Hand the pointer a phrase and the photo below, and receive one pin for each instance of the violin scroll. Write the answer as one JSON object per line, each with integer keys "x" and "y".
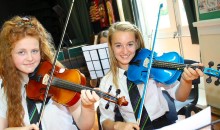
{"x": 213, "y": 73}
{"x": 121, "y": 101}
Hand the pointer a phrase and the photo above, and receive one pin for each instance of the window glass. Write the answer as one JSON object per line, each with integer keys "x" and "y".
{"x": 184, "y": 21}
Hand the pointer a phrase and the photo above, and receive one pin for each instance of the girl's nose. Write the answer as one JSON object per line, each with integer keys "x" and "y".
{"x": 29, "y": 56}
{"x": 124, "y": 49}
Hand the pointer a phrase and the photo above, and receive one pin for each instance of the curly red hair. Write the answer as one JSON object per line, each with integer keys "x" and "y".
{"x": 13, "y": 30}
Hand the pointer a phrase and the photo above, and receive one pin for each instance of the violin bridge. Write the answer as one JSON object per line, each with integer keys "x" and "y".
{"x": 145, "y": 63}
{"x": 45, "y": 79}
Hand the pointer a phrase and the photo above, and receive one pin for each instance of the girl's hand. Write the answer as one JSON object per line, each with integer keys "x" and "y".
{"x": 190, "y": 74}
{"x": 32, "y": 127}
{"x": 126, "y": 126}
{"x": 29, "y": 127}
{"x": 88, "y": 98}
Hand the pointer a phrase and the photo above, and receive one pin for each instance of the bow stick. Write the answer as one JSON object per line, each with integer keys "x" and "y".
{"x": 148, "y": 71}
{"x": 53, "y": 66}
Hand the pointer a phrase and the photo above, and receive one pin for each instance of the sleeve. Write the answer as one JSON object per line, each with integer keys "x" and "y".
{"x": 3, "y": 104}
{"x": 171, "y": 89}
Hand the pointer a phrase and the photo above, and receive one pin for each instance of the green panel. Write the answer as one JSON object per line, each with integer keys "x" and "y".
{"x": 73, "y": 52}
{"x": 211, "y": 15}
{"x": 60, "y": 56}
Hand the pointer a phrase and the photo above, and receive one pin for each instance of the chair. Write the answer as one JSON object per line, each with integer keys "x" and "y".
{"x": 185, "y": 108}
{"x": 172, "y": 114}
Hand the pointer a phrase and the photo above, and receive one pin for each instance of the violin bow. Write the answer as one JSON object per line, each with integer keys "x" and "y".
{"x": 53, "y": 65}
{"x": 149, "y": 68}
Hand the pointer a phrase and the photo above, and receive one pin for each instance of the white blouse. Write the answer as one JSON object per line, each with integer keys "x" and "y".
{"x": 55, "y": 116}
{"x": 155, "y": 103}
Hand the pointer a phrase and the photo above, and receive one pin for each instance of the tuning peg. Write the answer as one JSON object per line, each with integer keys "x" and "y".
{"x": 218, "y": 67}
{"x": 211, "y": 63}
{"x": 118, "y": 91}
{"x": 109, "y": 89}
{"x": 107, "y": 105}
{"x": 217, "y": 82}
{"x": 209, "y": 80}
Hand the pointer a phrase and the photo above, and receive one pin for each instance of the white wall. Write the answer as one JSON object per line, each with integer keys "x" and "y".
{"x": 209, "y": 37}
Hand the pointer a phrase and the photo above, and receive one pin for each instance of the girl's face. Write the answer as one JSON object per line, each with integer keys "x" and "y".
{"x": 124, "y": 46}
{"x": 103, "y": 40}
{"x": 26, "y": 54}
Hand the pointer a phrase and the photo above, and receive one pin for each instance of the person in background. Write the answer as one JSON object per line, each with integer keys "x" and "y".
{"x": 24, "y": 45}
{"x": 124, "y": 42}
{"x": 101, "y": 38}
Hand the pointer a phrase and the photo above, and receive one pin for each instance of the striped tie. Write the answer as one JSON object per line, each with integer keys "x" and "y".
{"x": 145, "y": 123}
{"x": 32, "y": 111}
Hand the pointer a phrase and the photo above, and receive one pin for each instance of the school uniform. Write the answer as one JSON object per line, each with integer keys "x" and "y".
{"x": 55, "y": 116}
{"x": 155, "y": 103}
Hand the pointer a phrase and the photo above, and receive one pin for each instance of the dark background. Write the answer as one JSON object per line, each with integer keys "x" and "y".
{"x": 41, "y": 9}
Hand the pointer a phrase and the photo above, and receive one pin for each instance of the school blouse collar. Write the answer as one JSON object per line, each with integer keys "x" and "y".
{"x": 121, "y": 73}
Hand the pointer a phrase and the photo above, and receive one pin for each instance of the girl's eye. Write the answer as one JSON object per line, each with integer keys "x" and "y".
{"x": 131, "y": 44}
{"x": 21, "y": 52}
{"x": 118, "y": 45}
{"x": 35, "y": 51}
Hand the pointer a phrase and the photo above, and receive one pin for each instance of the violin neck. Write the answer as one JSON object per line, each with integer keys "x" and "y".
{"x": 173, "y": 66}
{"x": 59, "y": 83}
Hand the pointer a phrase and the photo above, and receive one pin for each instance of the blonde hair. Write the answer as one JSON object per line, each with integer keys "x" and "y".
{"x": 13, "y": 30}
{"x": 125, "y": 27}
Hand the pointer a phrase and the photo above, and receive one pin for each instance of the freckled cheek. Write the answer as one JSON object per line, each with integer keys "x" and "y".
{"x": 116, "y": 51}
{"x": 132, "y": 53}
{"x": 38, "y": 57}
{"x": 132, "y": 50}
{"x": 18, "y": 62}
{"x": 17, "y": 59}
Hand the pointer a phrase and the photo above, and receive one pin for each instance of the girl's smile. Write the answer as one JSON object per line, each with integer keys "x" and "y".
{"x": 124, "y": 47}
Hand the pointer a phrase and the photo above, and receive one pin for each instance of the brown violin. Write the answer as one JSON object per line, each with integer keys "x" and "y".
{"x": 65, "y": 88}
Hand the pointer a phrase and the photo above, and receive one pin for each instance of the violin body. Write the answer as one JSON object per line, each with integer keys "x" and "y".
{"x": 36, "y": 90}
{"x": 137, "y": 71}
{"x": 165, "y": 69}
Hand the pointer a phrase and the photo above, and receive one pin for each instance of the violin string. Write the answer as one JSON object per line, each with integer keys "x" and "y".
{"x": 168, "y": 65}
{"x": 76, "y": 87}
{"x": 173, "y": 65}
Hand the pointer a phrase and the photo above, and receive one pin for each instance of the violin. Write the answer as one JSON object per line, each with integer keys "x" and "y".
{"x": 65, "y": 88}
{"x": 166, "y": 68}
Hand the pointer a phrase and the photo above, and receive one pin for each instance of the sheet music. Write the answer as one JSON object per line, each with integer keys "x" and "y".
{"x": 97, "y": 59}
{"x": 196, "y": 121}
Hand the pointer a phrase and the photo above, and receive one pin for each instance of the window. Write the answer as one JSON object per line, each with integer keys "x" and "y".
{"x": 172, "y": 17}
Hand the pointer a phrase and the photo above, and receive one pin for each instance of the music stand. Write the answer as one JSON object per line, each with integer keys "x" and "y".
{"x": 97, "y": 59}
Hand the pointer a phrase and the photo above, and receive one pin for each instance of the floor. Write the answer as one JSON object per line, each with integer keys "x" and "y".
{"x": 202, "y": 104}
{"x": 217, "y": 125}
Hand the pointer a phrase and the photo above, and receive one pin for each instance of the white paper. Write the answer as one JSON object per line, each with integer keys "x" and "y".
{"x": 97, "y": 59}
{"x": 196, "y": 121}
